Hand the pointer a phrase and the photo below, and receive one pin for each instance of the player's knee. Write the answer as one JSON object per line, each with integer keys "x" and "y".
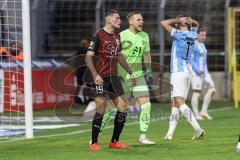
{"x": 212, "y": 90}
{"x": 97, "y": 119}
{"x": 143, "y": 100}
{"x": 122, "y": 106}
{"x": 179, "y": 101}
{"x": 100, "y": 105}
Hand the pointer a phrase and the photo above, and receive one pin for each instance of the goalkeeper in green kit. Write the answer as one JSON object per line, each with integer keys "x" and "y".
{"x": 136, "y": 50}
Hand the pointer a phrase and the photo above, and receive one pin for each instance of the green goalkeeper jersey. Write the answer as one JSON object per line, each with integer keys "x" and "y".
{"x": 134, "y": 46}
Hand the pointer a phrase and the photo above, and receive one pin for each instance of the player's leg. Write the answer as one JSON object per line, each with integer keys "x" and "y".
{"x": 121, "y": 114}
{"x": 119, "y": 122}
{"x": 110, "y": 111}
{"x": 141, "y": 93}
{"x": 196, "y": 83}
{"x": 180, "y": 92}
{"x": 175, "y": 110}
{"x": 208, "y": 97}
{"x": 108, "y": 114}
{"x": 144, "y": 119}
{"x": 99, "y": 92}
{"x": 188, "y": 114}
{"x": 97, "y": 121}
{"x": 173, "y": 121}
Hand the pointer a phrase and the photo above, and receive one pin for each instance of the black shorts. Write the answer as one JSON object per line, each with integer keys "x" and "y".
{"x": 112, "y": 88}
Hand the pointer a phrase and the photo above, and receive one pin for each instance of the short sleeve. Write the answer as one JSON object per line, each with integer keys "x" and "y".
{"x": 94, "y": 43}
{"x": 175, "y": 33}
{"x": 147, "y": 45}
{"x": 194, "y": 31}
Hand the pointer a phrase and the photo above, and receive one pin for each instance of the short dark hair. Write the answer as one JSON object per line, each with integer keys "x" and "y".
{"x": 110, "y": 12}
{"x": 132, "y": 13}
{"x": 201, "y": 30}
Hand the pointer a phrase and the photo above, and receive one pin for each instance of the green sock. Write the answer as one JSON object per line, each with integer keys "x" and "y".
{"x": 145, "y": 117}
{"x": 107, "y": 118}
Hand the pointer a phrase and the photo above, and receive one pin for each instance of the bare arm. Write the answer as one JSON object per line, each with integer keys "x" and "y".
{"x": 122, "y": 61}
{"x": 168, "y": 24}
{"x": 147, "y": 60}
{"x": 193, "y": 22}
{"x": 89, "y": 61}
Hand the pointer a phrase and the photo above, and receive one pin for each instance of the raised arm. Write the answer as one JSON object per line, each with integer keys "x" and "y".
{"x": 168, "y": 24}
{"x": 192, "y": 22}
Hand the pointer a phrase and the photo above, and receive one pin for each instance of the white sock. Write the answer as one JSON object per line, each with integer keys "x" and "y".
{"x": 173, "y": 121}
{"x": 194, "y": 102}
{"x": 142, "y": 136}
{"x": 206, "y": 100}
{"x": 187, "y": 113}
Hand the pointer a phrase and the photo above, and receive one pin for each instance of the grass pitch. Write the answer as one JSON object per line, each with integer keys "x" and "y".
{"x": 72, "y": 143}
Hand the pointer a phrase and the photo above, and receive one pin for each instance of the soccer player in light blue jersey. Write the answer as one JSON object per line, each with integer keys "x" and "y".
{"x": 184, "y": 32}
{"x": 201, "y": 78}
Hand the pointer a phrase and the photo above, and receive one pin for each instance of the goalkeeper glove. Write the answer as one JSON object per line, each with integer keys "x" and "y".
{"x": 148, "y": 76}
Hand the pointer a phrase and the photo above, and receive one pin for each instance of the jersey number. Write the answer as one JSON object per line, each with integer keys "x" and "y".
{"x": 137, "y": 51}
{"x": 99, "y": 89}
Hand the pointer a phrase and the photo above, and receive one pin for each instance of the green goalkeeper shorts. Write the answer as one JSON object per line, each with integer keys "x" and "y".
{"x": 139, "y": 90}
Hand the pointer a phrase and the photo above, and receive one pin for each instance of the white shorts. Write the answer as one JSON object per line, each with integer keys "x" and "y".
{"x": 199, "y": 82}
{"x": 208, "y": 82}
{"x": 180, "y": 82}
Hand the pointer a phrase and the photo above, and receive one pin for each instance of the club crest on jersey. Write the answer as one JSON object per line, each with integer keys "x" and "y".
{"x": 126, "y": 44}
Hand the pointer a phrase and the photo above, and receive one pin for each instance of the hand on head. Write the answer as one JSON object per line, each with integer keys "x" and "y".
{"x": 189, "y": 21}
{"x": 183, "y": 20}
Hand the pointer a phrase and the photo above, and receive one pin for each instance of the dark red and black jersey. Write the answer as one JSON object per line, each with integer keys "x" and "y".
{"x": 106, "y": 47}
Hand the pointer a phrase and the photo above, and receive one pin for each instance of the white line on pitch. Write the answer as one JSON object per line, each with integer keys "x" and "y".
{"x": 87, "y": 130}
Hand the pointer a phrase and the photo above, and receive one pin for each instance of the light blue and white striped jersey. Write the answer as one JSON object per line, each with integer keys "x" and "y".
{"x": 182, "y": 50}
{"x": 199, "y": 58}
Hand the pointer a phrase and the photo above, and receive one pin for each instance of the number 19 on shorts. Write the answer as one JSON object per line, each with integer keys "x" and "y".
{"x": 99, "y": 89}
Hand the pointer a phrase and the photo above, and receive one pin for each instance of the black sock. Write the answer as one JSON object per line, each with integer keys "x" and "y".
{"x": 96, "y": 125}
{"x": 119, "y": 122}
{"x": 239, "y": 139}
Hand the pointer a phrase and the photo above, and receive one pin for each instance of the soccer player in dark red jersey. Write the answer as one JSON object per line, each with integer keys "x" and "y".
{"x": 105, "y": 45}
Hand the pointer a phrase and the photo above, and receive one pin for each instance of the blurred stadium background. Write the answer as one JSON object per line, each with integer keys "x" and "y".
{"x": 57, "y": 26}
